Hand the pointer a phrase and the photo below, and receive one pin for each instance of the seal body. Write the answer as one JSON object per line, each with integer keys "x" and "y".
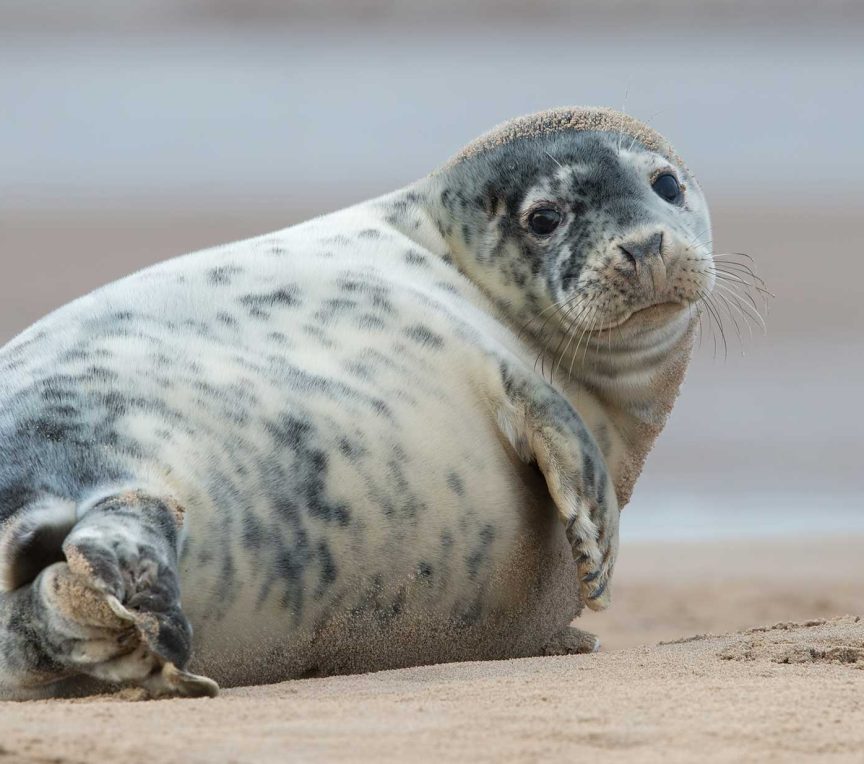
{"x": 329, "y": 448}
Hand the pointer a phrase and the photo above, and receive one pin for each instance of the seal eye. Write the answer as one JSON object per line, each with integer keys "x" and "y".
{"x": 666, "y": 187}
{"x": 544, "y": 221}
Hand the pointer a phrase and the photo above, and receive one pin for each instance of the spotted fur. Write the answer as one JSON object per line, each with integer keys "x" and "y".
{"x": 331, "y": 448}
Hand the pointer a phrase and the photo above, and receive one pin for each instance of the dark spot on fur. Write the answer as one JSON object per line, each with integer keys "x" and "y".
{"x": 284, "y": 297}
{"x": 369, "y": 321}
{"x": 328, "y": 568}
{"x": 423, "y": 335}
{"x": 351, "y": 451}
{"x": 253, "y": 532}
{"x": 481, "y": 552}
{"x": 226, "y": 318}
{"x": 413, "y": 257}
{"x": 221, "y": 275}
{"x": 454, "y": 482}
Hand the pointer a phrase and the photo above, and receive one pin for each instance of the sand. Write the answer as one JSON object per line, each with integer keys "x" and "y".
{"x": 787, "y": 692}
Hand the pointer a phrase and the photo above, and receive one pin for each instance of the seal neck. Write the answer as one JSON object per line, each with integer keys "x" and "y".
{"x": 626, "y": 394}
{"x": 623, "y": 392}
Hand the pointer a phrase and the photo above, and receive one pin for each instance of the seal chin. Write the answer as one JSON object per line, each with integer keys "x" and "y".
{"x": 649, "y": 317}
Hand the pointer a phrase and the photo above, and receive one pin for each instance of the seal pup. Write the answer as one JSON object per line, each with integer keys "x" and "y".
{"x": 392, "y": 435}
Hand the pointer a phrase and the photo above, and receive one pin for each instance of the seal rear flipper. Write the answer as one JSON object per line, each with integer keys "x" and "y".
{"x": 60, "y": 637}
{"x": 125, "y": 547}
{"x": 32, "y": 539}
{"x": 92, "y": 591}
{"x": 163, "y": 638}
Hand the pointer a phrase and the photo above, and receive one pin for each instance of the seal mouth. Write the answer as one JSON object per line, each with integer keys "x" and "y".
{"x": 649, "y": 316}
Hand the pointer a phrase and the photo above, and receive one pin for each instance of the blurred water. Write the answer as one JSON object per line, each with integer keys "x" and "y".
{"x": 699, "y": 514}
{"x": 768, "y": 445}
{"x": 291, "y": 116}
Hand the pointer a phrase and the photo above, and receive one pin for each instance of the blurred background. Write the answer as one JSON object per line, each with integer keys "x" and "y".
{"x": 131, "y": 132}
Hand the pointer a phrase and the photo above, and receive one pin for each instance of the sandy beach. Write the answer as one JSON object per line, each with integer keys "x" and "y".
{"x": 782, "y": 681}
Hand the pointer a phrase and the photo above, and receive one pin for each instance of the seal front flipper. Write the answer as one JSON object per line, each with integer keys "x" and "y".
{"x": 126, "y": 548}
{"x": 572, "y": 641}
{"x": 543, "y": 427}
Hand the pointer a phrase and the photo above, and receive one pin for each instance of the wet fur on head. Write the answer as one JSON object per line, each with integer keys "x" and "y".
{"x": 568, "y": 119}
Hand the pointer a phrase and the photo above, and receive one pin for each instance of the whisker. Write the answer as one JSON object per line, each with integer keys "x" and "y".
{"x": 699, "y": 243}
{"x": 541, "y": 335}
{"x": 576, "y": 349}
{"x": 738, "y": 279}
{"x": 710, "y": 299}
{"x": 585, "y": 305}
{"x": 553, "y": 159}
{"x": 728, "y": 306}
{"x": 690, "y": 308}
{"x": 756, "y": 316}
{"x": 758, "y": 282}
{"x": 735, "y": 270}
{"x": 609, "y": 337}
{"x": 734, "y": 277}
{"x": 568, "y": 317}
{"x": 711, "y": 324}
{"x": 735, "y": 303}
{"x": 721, "y": 259}
{"x": 731, "y": 284}
{"x": 588, "y": 336}
{"x": 586, "y": 331}
{"x": 699, "y": 236}
{"x": 737, "y": 254}
{"x": 711, "y": 308}
{"x": 553, "y": 306}
{"x": 621, "y": 125}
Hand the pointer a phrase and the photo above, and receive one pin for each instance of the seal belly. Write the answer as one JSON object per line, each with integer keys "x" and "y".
{"x": 369, "y": 549}
{"x": 430, "y": 595}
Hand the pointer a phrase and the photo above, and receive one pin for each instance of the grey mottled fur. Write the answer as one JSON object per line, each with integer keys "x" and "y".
{"x": 317, "y": 450}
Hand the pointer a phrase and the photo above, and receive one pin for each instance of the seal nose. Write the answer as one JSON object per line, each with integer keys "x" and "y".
{"x": 639, "y": 250}
{"x": 646, "y": 256}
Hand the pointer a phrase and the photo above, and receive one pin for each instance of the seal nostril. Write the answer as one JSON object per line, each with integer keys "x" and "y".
{"x": 640, "y": 250}
{"x": 630, "y": 256}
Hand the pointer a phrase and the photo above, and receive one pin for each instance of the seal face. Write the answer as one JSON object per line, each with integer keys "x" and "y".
{"x": 622, "y": 228}
{"x": 392, "y": 435}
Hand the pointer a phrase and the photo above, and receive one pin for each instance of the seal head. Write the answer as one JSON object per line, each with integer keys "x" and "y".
{"x": 584, "y": 216}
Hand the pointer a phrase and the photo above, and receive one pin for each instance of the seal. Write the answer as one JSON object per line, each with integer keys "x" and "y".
{"x": 396, "y": 434}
